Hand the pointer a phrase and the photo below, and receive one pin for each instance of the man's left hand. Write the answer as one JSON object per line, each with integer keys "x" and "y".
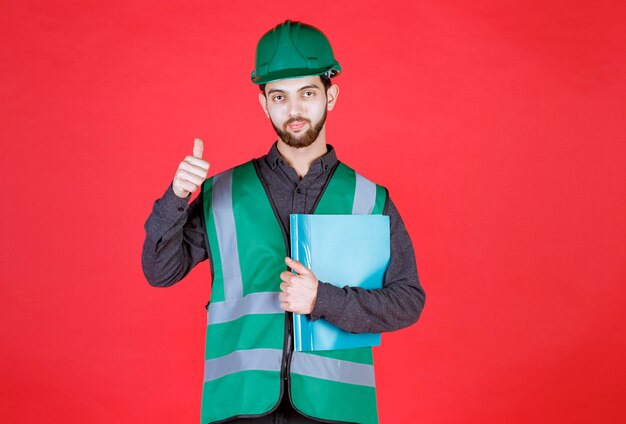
{"x": 298, "y": 291}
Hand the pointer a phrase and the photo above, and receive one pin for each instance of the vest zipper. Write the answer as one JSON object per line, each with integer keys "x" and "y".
{"x": 287, "y": 347}
{"x": 288, "y": 315}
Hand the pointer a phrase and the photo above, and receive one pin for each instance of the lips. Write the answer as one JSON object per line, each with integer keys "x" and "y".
{"x": 296, "y": 124}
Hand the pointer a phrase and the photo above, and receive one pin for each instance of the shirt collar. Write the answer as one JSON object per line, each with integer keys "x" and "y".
{"x": 327, "y": 161}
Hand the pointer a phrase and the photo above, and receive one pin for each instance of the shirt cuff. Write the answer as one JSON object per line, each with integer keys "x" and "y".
{"x": 329, "y": 300}
{"x": 170, "y": 205}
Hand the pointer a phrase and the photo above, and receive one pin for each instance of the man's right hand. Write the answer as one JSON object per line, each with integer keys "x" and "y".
{"x": 191, "y": 172}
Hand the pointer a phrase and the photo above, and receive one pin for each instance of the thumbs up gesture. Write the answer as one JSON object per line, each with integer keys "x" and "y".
{"x": 191, "y": 172}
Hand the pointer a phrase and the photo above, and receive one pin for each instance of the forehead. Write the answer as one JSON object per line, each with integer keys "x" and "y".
{"x": 294, "y": 84}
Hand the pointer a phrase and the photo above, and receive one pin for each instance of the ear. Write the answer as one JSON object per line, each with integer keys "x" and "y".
{"x": 331, "y": 96}
{"x": 263, "y": 101}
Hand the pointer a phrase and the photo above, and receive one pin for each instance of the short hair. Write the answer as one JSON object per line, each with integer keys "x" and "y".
{"x": 326, "y": 81}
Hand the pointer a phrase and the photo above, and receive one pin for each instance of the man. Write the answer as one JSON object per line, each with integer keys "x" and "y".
{"x": 240, "y": 222}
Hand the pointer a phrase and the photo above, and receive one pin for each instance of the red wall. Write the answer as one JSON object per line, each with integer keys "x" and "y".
{"x": 497, "y": 125}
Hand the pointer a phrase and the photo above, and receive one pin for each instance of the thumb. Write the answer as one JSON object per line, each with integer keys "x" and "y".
{"x": 297, "y": 266}
{"x": 198, "y": 148}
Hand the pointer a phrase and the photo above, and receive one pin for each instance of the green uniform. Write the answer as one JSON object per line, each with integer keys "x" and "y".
{"x": 248, "y": 339}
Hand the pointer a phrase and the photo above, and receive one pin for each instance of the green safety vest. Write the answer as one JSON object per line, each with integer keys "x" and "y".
{"x": 248, "y": 337}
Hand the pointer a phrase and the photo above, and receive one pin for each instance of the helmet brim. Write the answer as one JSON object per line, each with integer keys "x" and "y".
{"x": 294, "y": 73}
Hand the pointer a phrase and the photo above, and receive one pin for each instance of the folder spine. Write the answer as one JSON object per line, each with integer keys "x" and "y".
{"x": 301, "y": 252}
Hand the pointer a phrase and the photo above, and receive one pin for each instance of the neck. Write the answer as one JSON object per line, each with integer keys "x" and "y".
{"x": 301, "y": 158}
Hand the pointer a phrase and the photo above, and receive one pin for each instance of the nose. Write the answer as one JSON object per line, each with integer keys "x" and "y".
{"x": 295, "y": 108}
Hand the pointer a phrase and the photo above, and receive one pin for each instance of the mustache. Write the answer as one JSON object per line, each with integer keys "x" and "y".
{"x": 292, "y": 120}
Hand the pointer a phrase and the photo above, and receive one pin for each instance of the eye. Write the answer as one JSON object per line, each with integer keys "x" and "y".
{"x": 278, "y": 98}
{"x": 308, "y": 94}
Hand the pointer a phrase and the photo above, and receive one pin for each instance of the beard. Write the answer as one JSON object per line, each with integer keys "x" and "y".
{"x": 303, "y": 140}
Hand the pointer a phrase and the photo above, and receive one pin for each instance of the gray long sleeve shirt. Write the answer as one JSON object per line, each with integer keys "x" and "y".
{"x": 176, "y": 241}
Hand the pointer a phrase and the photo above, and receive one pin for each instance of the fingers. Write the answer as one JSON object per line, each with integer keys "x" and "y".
{"x": 199, "y": 170}
{"x": 191, "y": 172}
{"x": 200, "y": 163}
{"x": 183, "y": 188}
{"x": 295, "y": 297}
{"x": 289, "y": 277}
{"x": 285, "y": 303}
{"x": 284, "y": 297}
{"x": 187, "y": 179}
{"x": 297, "y": 266}
{"x": 190, "y": 177}
{"x": 198, "y": 148}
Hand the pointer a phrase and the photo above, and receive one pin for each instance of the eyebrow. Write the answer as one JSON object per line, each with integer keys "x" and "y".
{"x": 275, "y": 90}
{"x": 306, "y": 87}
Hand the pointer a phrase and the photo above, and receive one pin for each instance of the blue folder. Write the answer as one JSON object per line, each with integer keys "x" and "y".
{"x": 343, "y": 250}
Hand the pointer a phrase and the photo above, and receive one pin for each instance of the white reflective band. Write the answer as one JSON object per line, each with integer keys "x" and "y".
{"x": 364, "y": 196}
{"x": 243, "y": 360}
{"x": 254, "y": 303}
{"x": 332, "y": 369}
{"x": 222, "y": 203}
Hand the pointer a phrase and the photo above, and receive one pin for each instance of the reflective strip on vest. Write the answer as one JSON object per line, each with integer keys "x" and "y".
{"x": 254, "y": 303}
{"x": 332, "y": 369}
{"x": 243, "y": 360}
{"x": 364, "y": 196}
{"x": 222, "y": 200}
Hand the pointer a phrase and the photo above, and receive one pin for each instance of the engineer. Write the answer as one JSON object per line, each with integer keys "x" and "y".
{"x": 240, "y": 222}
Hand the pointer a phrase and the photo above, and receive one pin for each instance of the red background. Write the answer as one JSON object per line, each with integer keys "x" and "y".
{"x": 497, "y": 125}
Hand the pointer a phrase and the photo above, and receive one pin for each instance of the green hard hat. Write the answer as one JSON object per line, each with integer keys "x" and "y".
{"x": 291, "y": 50}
